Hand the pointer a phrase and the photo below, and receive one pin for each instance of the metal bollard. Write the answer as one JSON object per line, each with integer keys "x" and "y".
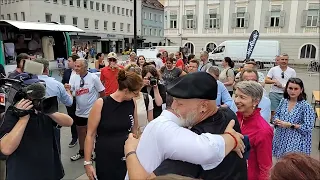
{"x": 2, "y": 170}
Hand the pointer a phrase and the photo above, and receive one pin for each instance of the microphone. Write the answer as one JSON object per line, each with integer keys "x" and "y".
{"x": 35, "y": 91}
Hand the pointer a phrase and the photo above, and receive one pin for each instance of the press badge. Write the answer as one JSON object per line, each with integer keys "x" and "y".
{"x": 2, "y": 99}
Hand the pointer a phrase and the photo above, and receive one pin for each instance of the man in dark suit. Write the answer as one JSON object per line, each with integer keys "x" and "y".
{"x": 68, "y": 73}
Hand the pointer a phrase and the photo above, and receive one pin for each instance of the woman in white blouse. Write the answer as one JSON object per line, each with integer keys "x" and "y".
{"x": 144, "y": 102}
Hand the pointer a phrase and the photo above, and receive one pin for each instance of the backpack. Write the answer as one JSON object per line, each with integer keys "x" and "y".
{"x": 146, "y": 100}
{"x": 235, "y": 72}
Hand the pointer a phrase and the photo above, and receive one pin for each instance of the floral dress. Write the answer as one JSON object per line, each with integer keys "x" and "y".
{"x": 288, "y": 140}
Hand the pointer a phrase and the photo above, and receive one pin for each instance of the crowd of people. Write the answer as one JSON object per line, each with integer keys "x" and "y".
{"x": 175, "y": 116}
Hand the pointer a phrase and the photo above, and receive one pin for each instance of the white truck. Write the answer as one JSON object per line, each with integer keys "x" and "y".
{"x": 263, "y": 53}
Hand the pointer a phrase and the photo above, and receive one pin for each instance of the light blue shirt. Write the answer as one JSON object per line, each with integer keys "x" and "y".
{"x": 265, "y": 106}
{"x": 56, "y": 88}
{"x": 224, "y": 96}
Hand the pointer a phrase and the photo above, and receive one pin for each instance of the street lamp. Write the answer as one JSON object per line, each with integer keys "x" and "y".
{"x": 135, "y": 46}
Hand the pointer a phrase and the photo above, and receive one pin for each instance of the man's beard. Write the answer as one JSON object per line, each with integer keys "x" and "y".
{"x": 189, "y": 120}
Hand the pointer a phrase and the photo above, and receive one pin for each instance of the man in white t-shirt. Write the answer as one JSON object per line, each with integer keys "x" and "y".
{"x": 278, "y": 77}
{"x": 158, "y": 61}
{"x": 88, "y": 88}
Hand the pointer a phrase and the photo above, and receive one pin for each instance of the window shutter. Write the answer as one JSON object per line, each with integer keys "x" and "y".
{"x": 207, "y": 21}
{"x": 234, "y": 20}
{"x": 282, "y": 19}
{"x": 218, "y": 21}
{"x": 267, "y": 19}
{"x": 194, "y": 22}
{"x": 304, "y": 18}
{"x": 246, "y": 19}
{"x": 165, "y": 23}
{"x": 318, "y": 23}
{"x": 184, "y": 21}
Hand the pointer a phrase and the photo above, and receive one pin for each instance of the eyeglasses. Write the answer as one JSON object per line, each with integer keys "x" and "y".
{"x": 81, "y": 82}
{"x": 112, "y": 60}
{"x": 282, "y": 75}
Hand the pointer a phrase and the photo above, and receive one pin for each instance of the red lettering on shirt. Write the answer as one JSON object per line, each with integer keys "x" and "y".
{"x": 82, "y": 91}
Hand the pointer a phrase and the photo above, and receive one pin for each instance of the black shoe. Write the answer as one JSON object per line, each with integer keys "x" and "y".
{"x": 77, "y": 157}
{"x": 73, "y": 143}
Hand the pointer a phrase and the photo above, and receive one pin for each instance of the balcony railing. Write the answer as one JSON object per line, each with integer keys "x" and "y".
{"x": 311, "y": 30}
{"x": 273, "y": 30}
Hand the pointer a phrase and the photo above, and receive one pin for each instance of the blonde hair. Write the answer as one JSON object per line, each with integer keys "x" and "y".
{"x": 133, "y": 68}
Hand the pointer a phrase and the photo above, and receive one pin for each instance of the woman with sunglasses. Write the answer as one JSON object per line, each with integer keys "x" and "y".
{"x": 293, "y": 120}
{"x": 111, "y": 120}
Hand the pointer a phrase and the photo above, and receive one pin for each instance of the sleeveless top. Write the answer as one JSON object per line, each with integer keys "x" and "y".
{"x": 115, "y": 124}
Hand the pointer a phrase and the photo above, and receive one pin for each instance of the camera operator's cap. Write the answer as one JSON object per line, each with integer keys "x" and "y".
{"x": 27, "y": 79}
{"x": 112, "y": 55}
{"x": 197, "y": 85}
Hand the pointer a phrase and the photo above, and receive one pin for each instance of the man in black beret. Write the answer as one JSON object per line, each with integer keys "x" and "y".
{"x": 194, "y": 102}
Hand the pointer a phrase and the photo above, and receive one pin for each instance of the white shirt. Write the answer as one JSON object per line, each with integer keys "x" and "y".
{"x": 159, "y": 63}
{"x": 164, "y": 139}
{"x": 142, "y": 111}
{"x": 86, "y": 95}
{"x": 275, "y": 73}
{"x": 34, "y": 45}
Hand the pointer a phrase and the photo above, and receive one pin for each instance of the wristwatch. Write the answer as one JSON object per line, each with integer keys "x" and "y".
{"x": 292, "y": 126}
{"x": 87, "y": 163}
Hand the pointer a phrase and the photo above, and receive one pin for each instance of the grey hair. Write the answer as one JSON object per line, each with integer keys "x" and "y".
{"x": 205, "y": 53}
{"x": 284, "y": 54}
{"x": 169, "y": 101}
{"x": 85, "y": 62}
{"x": 213, "y": 70}
{"x": 251, "y": 88}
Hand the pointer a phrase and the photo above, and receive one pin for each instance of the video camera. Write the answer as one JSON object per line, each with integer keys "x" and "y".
{"x": 26, "y": 86}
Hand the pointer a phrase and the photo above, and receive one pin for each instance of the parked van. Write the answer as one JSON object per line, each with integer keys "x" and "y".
{"x": 263, "y": 53}
{"x": 15, "y": 37}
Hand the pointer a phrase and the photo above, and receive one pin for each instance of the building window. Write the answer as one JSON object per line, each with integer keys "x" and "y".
{"x": 8, "y": 17}
{"x": 55, "y": 1}
{"x": 128, "y": 27}
{"x": 113, "y": 26}
{"x": 91, "y": 5}
{"x": 150, "y": 16}
{"x": 108, "y": 8}
{"x": 155, "y": 32}
{"x": 85, "y": 4}
{"x": 23, "y": 17}
{"x": 63, "y": 2}
{"x": 2, "y": 17}
{"x": 189, "y": 19}
{"x": 113, "y": 10}
{"x": 213, "y": 19}
{"x": 118, "y": 10}
{"x": 105, "y": 25}
{"x": 160, "y": 17}
{"x": 308, "y": 51}
{"x": 103, "y": 7}
{"x": 145, "y": 31}
{"x": 190, "y": 48}
{"x": 127, "y": 12}
{"x": 155, "y": 17}
{"x": 144, "y": 15}
{"x": 131, "y": 13}
{"x": 78, "y": 3}
{"x": 150, "y": 32}
{"x": 121, "y": 26}
{"x": 312, "y": 19}
{"x": 122, "y": 11}
{"x": 96, "y": 24}
{"x": 240, "y": 17}
{"x": 71, "y": 2}
{"x": 15, "y": 16}
{"x": 160, "y": 32}
{"x": 86, "y": 23}
{"x": 75, "y": 21}
{"x": 97, "y": 6}
{"x": 173, "y": 20}
{"x": 62, "y": 19}
{"x": 48, "y": 17}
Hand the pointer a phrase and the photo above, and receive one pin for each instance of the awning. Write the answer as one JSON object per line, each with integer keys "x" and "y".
{"x": 41, "y": 26}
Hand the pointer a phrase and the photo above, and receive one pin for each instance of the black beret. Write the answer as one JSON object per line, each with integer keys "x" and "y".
{"x": 197, "y": 85}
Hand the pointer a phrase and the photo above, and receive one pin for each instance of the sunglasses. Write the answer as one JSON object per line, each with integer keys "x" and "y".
{"x": 282, "y": 75}
{"x": 81, "y": 82}
{"x": 112, "y": 60}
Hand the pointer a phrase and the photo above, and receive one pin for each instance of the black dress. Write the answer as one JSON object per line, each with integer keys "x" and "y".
{"x": 112, "y": 132}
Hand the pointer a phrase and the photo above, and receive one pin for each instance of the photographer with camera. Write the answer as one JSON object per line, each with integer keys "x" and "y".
{"x": 152, "y": 86}
{"x": 27, "y": 133}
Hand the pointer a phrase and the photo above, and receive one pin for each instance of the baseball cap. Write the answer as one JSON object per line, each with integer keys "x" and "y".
{"x": 112, "y": 55}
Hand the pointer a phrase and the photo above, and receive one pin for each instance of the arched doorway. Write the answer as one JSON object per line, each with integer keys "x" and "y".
{"x": 190, "y": 48}
{"x": 210, "y": 47}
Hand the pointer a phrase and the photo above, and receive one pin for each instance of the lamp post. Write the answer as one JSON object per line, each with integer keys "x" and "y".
{"x": 135, "y": 26}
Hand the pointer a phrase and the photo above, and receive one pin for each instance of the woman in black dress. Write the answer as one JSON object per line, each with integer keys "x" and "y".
{"x": 110, "y": 121}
